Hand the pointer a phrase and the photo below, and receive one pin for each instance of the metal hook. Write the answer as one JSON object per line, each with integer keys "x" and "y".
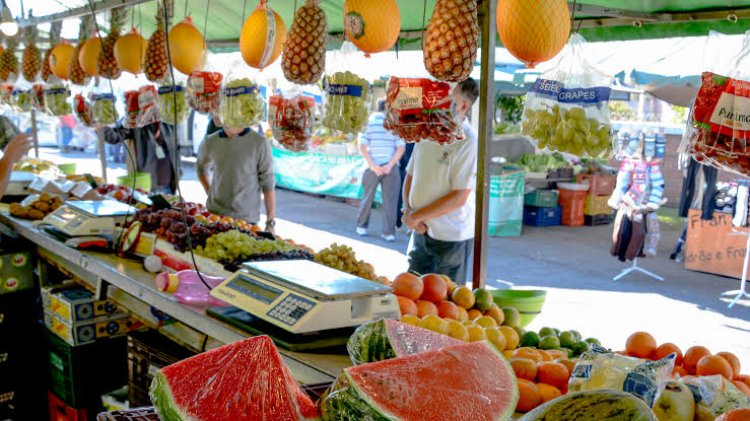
{"x": 732, "y": 18}
{"x": 637, "y": 23}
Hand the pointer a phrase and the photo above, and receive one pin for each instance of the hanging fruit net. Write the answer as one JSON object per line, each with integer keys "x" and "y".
{"x": 291, "y": 117}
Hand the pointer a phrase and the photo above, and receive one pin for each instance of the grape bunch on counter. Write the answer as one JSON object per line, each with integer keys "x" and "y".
{"x": 234, "y": 247}
{"x": 342, "y": 257}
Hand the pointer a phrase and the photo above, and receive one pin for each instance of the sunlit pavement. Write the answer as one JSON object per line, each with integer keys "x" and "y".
{"x": 572, "y": 264}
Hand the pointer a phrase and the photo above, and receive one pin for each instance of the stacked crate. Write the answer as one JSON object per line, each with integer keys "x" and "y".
{"x": 596, "y": 211}
{"x": 540, "y": 208}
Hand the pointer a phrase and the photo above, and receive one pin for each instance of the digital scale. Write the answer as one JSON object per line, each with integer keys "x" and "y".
{"x": 88, "y": 217}
{"x": 302, "y": 296}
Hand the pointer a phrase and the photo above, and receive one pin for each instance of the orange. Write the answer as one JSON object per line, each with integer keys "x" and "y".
{"x": 665, "y": 349}
{"x": 679, "y": 372}
{"x": 463, "y": 297}
{"x": 548, "y": 392}
{"x": 554, "y": 374}
{"x": 511, "y": 336}
{"x": 545, "y": 355}
{"x": 709, "y": 365}
{"x": 692, "y": 355}
{"x": 408, "y": 285}
{"x": 474, "y": 314}
{"x": 529, "y": 395}
{"x": 742, "y": 387}
{"x": 557, "y": 354}
{"x": 407, "y": 306}
{"x": 508, "y": 354}
{"x": 425, "y": 307}
{"x": 744, "y": 378}
{"x": 530, "y": 353}
{"x": 735, "y": 415}
{"x": 435, "y": 288}
{"x": 463, "y": 315}
{"x": 449, "y": 283}
{"x": 447, "y": 310}
{"x": 640, "y": 344}
{"x": 569, "y": 364}
{"x": 496, "y": 338}
{"x": 496, "y": 313}
{"x": 477, "y": 333}
{"x": 732, "y": 360}
{"x": 524, "y": 368}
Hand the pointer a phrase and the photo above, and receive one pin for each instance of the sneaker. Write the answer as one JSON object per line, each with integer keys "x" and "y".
{"x": 361, "y": 231}
{"x": 388, "y": 238}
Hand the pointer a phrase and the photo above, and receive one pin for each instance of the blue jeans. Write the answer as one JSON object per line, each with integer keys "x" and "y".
{"x": 67, "y": 135}
{"x": 451, "y": 258}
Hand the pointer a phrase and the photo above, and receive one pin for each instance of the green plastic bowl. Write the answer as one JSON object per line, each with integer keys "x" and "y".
{"x": 142, "y": 180}
{"x": 529, "y": 302}
{"x": 67, "y": 169}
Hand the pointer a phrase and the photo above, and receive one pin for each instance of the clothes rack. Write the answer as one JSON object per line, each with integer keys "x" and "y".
{"x": 635, "y": 268}
{"x": 742, "y": 292}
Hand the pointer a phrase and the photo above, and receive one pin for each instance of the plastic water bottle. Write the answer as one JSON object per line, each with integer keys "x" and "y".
{"x": 188, "y": 288}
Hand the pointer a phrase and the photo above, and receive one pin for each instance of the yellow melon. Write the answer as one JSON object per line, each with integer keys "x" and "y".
{"x": 89, "y": 54}
{"x": 59, "y": 60}
{"x": 258, "y": 45}
{"x": 130, "y": 51}
{"x": 533, "y": 31}
{"x": 373, "y": 26}
{"x": 187, "y": 47}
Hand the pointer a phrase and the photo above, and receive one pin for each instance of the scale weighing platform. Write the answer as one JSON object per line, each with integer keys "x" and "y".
{"x": 88, "y": 217}
{"x": 302, "y": 296}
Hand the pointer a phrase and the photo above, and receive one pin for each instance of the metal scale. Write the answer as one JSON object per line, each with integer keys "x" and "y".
{"x": 88, "y": 217}
{"x": 302, "y": 296}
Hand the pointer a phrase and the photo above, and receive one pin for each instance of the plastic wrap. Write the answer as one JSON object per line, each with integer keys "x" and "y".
{"x": 347, "y": 103}
{"x": 130, "y": 121}
{"x": 56, "y": 97}
{"x": 148, "y": 111}
{"x": 204, "y": 91}
{"x": 715, "y": 394}
{"x": 38, "y": 90}
{"x": 422, "y": 109}
{"x": 22, "y": 99}
{"x": 172, "y": 105}
{"x": 241, "y": 103}
{"x": 291, "y": 116}
{"x": 244, "y": 380}
{"x": 567, "y": 108}
{"x": 103, "y": 107}
{"x": 83, "y": 110}
{"x": 188, "y": 288}
{"x": 601, "y": 369}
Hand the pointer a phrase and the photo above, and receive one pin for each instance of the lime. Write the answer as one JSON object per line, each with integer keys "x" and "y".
{"x": 557, "y": 331}
{"x": 578, "y": 335}
{"x": 567, "y": 351}
{"x": 512, "y": 316}
{"x": 580, "y": 347}
{"x": 593, "y": 341}
{"x": 483, "y": 299}
{"x": 530, "y": 339}
{"x": 521, "y": 331}
{"x": 463, "y": 297}
{"x": 457, "y": 330}
{"x": 546, "y": 331}
{"x": 496, "y": 337}
{"x": 549, "y": 342}
{"x": 568, "y": 339}
{"x": 477, "y": 333}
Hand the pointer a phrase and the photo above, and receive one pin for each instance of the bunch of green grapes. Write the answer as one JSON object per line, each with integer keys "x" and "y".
{"x": 241, "y": 104}
{"x": 347, "y": 103}
{"x": 172, "y": 104}
{"x": 236, "y": 246}
{"x": 568, "y": 130}
{"x": 342, "y": 257}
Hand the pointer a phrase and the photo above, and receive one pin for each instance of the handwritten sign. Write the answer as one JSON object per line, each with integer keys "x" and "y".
{"x": 711, "y": 247}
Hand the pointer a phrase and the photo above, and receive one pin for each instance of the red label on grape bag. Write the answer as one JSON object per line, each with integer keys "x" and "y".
{"x": 723, "y": 106}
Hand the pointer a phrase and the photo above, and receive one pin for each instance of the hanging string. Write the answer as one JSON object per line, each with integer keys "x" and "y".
{"x": 242, "y": 18}
{"x": 205, "y": 21}
{"x": 186, "y": 8}
{"x": 424, "y": 16}
{"x": 573, "y": 18}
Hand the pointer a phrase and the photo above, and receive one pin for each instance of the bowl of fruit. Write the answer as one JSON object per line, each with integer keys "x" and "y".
{"x": 529, "y": 302}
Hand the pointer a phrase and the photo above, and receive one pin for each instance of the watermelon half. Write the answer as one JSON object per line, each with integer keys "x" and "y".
{"x": 384, "y": 339}
{"x": 242, "y": 381}
{"x": 469, "y": 381}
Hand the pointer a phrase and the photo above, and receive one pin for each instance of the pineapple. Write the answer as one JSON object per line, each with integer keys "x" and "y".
{"x": 54, "y": 39}
{"x": 31, "y": 60}
{"x": 76, "y": 73}
{"x": 304, "y": 50}
{"x": 107, "y": 64}
{"x": 155, "y": 63}
{"x": 450, "y": 48}
{"x": 8, "y": 59}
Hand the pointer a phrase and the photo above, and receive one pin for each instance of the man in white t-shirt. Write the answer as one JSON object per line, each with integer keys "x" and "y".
{"x": 439, "y": 196}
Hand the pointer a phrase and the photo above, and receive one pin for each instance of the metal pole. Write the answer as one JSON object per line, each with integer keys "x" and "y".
{"x": 487, "y": 11}
{"x": 102, "y": 153}
{"x": 34, "y": 134}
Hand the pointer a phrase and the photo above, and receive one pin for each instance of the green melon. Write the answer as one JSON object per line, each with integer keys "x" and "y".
{"x": 593, "y": 405}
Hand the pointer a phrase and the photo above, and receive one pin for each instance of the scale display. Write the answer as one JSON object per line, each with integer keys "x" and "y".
{"x": 303, "y": 296}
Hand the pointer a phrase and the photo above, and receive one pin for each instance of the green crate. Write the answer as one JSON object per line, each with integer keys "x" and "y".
{"x": 541, "y": 198}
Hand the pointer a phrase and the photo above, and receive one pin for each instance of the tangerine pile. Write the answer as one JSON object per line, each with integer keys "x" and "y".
{"x": 697, "y": 360}
{"x": 542, "y": 375}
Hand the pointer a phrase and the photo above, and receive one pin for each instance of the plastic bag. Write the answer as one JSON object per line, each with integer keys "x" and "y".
{"x": 148, "y": 111}
{"x": 103, "y": 108}
{"x": 567, "y": 108}
{"x": 130, "y": 121}
{"x": 22, "y": 100}
{"x": 39, "y": 104}
{"x": 204, "y": 91}
{"x": 56, "y": 98}
{"x": 715, "y": 394}
{"x": 83, "y": 110}
{"x": 422, "y": 109}
{"x": 601, "y": 369}
{"x": 241, "y": 103}
{"x": 347, "y": 103}
{"x": 6, "y": 93}
{"x": 172, "y": 105}
{"x": 291, "y": 118}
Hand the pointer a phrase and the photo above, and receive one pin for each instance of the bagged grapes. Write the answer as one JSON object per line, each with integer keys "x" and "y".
{"x": 241, "y": 103}
{"x": 204, "y": 91}
{"x": 567, "y": 108}
{"x": 172, "y": 105}
{"x": 22, "y": 99}
{"x": 347, "y": 102}
{"x": 56, "y": 98}
{"x": 422, "y": 109}
{"x": 291, "y": 116}
{"x": 148, "y": 112}
{"x": 103, "y": 108}
{"x": 130, "y": 121}
{"x": 83, "y": 111}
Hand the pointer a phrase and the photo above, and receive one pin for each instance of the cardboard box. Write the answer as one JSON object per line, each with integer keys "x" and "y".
{"x": 16, "y": 272}
{"x": 89, "y": 331}
{"x": 73, "y": 303}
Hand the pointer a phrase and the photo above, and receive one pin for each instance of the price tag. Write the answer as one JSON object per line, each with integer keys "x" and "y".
{"x": 160, "y": 153}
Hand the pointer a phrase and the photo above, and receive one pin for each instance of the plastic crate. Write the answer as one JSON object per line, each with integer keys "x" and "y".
{"x": 59, "y": 411}
{"x": 149, "y": 351}
{"x": 599, "y": 184}
{"x": 79, "y": 375}
{"x": 541, "y": 217}
{"x": 596, "y": 205}
{"x": 561, "y": 173}
{"x": 593, "y": 220}
{"x": 541, "y": 198}
{"x": 572, "y": 202}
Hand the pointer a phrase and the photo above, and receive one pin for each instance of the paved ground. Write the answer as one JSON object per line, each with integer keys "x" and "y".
{"x": 572, "y": 264}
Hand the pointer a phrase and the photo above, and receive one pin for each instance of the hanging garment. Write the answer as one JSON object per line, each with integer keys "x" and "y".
{"x": 740, "y": 207}
{"x": 653, "y": 234}
{"x": 637, "y": 238}
{"x": 638, "y": 182}
{"x": 689, "y": 189}
{"x": 617, "y": 232}
{"x": 626, "y": 232}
